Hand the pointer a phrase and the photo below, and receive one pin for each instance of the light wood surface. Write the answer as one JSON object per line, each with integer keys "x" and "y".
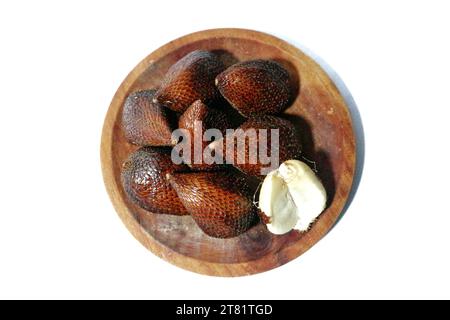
{"x": 321, "y": 115}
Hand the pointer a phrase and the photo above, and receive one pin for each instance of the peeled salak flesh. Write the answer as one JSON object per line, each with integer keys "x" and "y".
{"x": 291, "y": 197}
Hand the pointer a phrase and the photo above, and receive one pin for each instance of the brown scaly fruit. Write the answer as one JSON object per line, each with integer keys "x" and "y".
{"x": 144, "y": 180}
{"x": 210, "y": 118}
{"x": 289, "y": 144}
{"x": 256, "y": 87}
{"x": 235, "y": 119}
{"x": 220, "y": 202}
{"x": 190, "y": 79}
{"x": 145, "y": 122}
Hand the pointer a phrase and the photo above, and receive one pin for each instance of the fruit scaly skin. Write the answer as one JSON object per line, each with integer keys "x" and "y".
{"x": 256, "y": 87}
{"x": 220, "y": 202}
{"x": 289, "y": 143}
{"x": 210, "y": 118}
{"x": 144, "y": 180}
{"x": 190, "y": 79}
{"x": 145, "y": 122}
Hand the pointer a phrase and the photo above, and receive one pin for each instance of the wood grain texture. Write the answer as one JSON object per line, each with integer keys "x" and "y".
{"x": 319, "y": 112}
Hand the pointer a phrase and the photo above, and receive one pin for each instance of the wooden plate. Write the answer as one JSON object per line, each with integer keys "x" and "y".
{"x": 320, "y": 113}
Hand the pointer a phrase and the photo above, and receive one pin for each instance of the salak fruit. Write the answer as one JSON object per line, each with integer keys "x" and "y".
{"x": 220, "y": 202}
{"x": 190, "y": 79}
{"x": 144, "y": 180}
{"x": 196, "y": 120}
{"x": 145, "y": 122}
{"x": 247, "y": 149}
{"x": 256, "y": 87}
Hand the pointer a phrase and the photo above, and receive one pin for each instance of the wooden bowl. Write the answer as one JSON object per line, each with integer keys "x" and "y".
{"x": 321, "y": 115}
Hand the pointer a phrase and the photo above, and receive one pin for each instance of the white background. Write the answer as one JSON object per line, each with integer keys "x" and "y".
{"x": 60, "y": 64}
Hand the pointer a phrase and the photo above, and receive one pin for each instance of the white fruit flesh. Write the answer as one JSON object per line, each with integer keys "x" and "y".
{"x": 292, "y": 196}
